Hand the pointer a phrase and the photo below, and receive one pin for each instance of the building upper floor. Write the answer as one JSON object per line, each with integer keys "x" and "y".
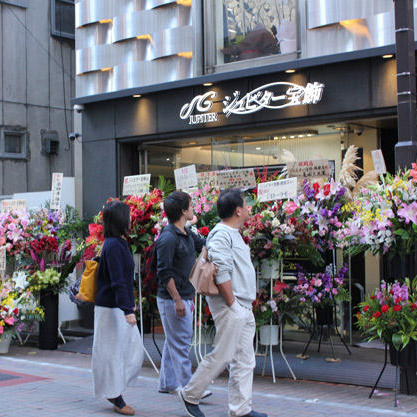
{"x": 127, "y": 44}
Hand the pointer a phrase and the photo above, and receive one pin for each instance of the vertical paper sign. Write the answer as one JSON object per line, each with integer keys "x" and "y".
{"x": 277, "y": 190}
{"x": 186, "y": 177}
{"x": 57, "y": 178}
{"x": 236, "y": 178}
{"x": 2, "y": 261}
{"x": 379, "y": 162}
{"x": 13, "y": 205}
{"x": 136, "y": 184}
{"x": 309, "y": 169}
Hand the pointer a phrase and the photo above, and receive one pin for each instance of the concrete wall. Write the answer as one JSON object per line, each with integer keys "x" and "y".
{"x": 32, "y": 94}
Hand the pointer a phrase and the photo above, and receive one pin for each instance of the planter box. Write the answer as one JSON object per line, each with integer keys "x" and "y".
{"x": 406, "y": 358}
{"x": 5, "y": 343}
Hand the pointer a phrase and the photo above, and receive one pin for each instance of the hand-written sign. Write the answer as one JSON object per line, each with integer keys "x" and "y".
{"x": 186, "y": 177}
{"x": 379, "y": 162}
{"x": 136, "y": 184}
{"x": 206, "y": 178}
{"x": 13, "y": 205}
{"x": 309, "y": 169}
{"x": 236, "y": 178}
{"x": 277, "y": 190}
{"x": 57, "y": 179}
{"x": 2, "y": 260}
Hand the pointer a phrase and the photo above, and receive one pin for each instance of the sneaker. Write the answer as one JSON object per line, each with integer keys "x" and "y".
{"x": 193, "y": 410}
{"x": 172, "y": 392}
{"x": 127, "y": 410}
{"x": 255, "y": 414}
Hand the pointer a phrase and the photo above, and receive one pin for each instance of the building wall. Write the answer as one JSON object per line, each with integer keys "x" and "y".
{"x": 32, "y": 94}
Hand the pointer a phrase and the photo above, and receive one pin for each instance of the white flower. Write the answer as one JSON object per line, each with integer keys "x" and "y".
{"x": 275, "y": 222}
{"x": 20, "y": 281}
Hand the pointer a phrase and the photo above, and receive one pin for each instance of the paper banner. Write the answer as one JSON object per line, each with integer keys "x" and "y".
{"x": 379, "y": 162}
{"x": 57, "y": 178}
{"x": 186, "y": 177}
{"x": 2, "y": 261}
{"x": 236, "y": 178}
{"x": 13, "y": 205}
{"x": 206, "y": 178}
{"x": 136, "y": 184}
{"x": 277, "y": 190}
{"x": 309, "y": 169}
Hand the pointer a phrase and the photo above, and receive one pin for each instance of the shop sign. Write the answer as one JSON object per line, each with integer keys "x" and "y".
{"x": 271, "y": 96}
{"x": 277, "y": 190}
{"x": 13, "y": 205}
{"x": 57, "y": 179}
{"x": 309, "y": 169}
{"x": 136, "y": 184}
{"x": 379, "y": 162}
{"x": 236, "y": 178}
{"x": 186, "y": 177}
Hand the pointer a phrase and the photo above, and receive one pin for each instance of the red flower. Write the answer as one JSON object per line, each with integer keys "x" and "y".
{"x": 326, "y": 189}
{"x": 377, "y": 314}
{"x": 413, "y": 306}
{"x": 365, "y": 309}
{"x": 293, "y": 220}
{"x": 373, "y": 297}
{"x": 385, "y": 308}
{"x": 397, "y": 307}
{"x": 205, "y": 231}
{"x": 316, "y": 187}
{"x": 279, "y": 286}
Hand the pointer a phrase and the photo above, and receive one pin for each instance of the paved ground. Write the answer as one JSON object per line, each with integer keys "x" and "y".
{"x": 37, "y": 383}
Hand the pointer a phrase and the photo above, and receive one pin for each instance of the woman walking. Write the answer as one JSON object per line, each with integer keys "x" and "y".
{"x": 117, "y": 348}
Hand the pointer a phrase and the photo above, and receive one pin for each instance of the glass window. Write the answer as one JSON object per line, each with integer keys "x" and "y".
{"x": 248, "y": 29}
{"x": 13, "y": 143}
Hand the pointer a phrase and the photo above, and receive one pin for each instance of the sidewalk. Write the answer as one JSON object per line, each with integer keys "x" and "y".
{"x": 37, "y": 383}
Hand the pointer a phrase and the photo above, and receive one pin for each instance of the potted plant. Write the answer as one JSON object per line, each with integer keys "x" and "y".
{"x": 390, "y": 314}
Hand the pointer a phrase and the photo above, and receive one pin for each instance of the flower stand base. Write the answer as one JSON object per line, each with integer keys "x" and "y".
{"x": 5, "y": 343}
{"x": 48, "y": 329}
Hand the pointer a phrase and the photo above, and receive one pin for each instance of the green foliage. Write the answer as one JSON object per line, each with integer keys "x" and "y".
{"x": 165, "y": 186}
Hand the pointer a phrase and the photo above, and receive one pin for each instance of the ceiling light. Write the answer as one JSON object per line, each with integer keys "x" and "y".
{"x": 208, "y": 84}
{"x": 167, "y": 159}
{"x": 258, "y": 148}
{"x": 276, "y": 137}
{"x": 300, "y": 136}
{"x": 283, "y": 137}
{"x": 292, "y": 137}
{"x": 387, "y": 56}
{"x": 137, "y": 95}
{"x": 290, "y": 71}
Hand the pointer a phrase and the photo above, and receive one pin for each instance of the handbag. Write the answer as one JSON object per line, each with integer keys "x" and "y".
{"x": 88, "y": 285}
{"x": 202, "y": 275}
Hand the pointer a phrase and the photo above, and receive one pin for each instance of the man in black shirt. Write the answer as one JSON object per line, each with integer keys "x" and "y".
{"x": 176, "y": 253}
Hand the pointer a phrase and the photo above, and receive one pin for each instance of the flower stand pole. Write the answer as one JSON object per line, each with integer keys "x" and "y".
{"x": 48, "y": 328}
{"x": 138, "y": 277}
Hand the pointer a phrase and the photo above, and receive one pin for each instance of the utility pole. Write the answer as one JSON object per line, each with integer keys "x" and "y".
{"x": 406, "y": 148}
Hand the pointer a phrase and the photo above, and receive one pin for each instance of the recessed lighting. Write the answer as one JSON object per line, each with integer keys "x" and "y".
{"x": 258, "y": 148}
{"x": 208, "y": 84}
{"x": 309, "y": 134}
{"x": 276, "y": 137}
{"x": 168, "y": 159}
{"x": 387, "y": 56}
{"x": 290, "y": 71}
{"x": 283, "y": 137}
{"x": 137, "y": 95}
{"x": 292, "y": 137}
{"x": 300, "y": 136}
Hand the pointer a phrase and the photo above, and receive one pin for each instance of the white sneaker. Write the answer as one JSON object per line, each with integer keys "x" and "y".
{"x": 206, "y": 394}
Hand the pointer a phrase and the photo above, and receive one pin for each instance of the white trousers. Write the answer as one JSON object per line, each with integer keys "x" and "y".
{"x": 233, "y": 345}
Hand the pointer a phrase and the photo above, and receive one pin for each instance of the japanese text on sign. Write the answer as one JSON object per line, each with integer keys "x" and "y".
{"x": 57, "y": 179}
{"x": 206, "y": 178}
{"x": 186, "y": 177}
{"x": 379, "y": 162}
{"x": 136, "y": 184}
{"x": 236, "y": 178}
{"x": 309, "y": 169}
{"x": 13, "y": 205}
{"x": 2, "y": 260}
{"x": 277, "y": 190}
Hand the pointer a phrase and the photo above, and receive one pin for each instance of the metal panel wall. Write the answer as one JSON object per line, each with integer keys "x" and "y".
{"x": 132, "y": 43}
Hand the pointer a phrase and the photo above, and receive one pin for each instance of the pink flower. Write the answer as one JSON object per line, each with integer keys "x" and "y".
{"x": 1, "y": 329}
{"x": 290, "y": 207}
{"x": 9, "y": 320}
{"x": 408, "y": 212}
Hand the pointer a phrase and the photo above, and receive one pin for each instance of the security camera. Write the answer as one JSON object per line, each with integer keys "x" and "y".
{"x": 79, "y": 108}
{"x": 73, "y": 135}
{"x": 358, "y": 131}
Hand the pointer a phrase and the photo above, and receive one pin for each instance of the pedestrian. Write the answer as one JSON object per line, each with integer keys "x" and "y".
{"x": 176, "y": 253}
{"x": 117, "y": 348}
{"x": 232, "y": 313}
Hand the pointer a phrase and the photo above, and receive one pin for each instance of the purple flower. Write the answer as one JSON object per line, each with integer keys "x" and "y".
{"x": 408, "y": 212}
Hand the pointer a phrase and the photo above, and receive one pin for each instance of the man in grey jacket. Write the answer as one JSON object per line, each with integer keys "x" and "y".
{"x": 232, "y": 313}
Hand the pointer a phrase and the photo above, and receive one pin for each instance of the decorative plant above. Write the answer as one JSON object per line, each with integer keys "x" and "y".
{"x": 390, "y": 313}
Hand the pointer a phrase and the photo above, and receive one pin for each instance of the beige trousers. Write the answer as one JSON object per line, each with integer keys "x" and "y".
{"x": 233, "y": 345}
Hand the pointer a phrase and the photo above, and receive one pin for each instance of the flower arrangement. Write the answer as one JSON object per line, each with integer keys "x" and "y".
{"x": 321, "y": 289}
{"x": 384, "y": 217}
{"x": 390, "y": 313}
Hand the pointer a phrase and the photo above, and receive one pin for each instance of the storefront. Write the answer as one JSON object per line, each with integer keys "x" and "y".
{"x": 253, "y": 121}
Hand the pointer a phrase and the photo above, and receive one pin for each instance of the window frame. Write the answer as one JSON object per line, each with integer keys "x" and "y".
{"x": 54, "y": 30}
{"x": 24, "y": 144}
{"x": 210, "y": 64}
